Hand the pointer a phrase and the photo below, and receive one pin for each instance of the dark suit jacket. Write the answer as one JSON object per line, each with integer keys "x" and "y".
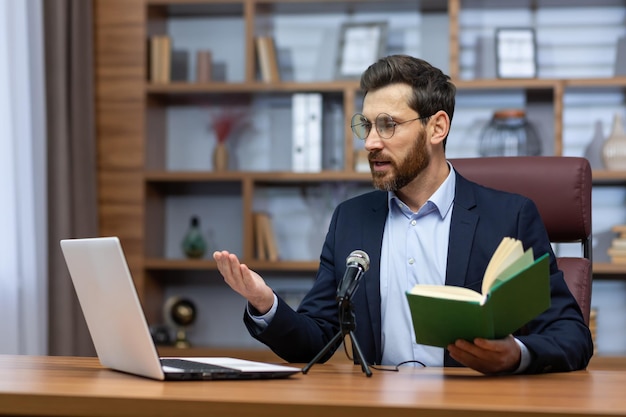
{"x": 558, "y": 339}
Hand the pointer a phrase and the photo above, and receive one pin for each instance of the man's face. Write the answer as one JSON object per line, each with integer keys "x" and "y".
{"x": 398, "y": 160}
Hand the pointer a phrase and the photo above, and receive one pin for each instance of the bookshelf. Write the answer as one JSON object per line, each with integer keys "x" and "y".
{"x": 146, "y": 169}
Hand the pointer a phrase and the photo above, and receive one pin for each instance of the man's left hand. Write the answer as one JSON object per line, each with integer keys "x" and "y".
{"x": 488, "y": 356}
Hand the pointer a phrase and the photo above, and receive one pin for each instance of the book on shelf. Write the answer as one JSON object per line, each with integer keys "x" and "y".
{"x": 160, "y": 52}
{"x": 617, "y": 250}
{"x": 203, "y": 66}
{"x": 259, "y": 237}
{"x": 515, "y": 289}
{"x": 306, "y": 110}
{"x": 617, "y": 255}
{"x": 619, "y": 243}
{"x": 265, "y": 240}
{"x": 154, "y": 59}
{"x": 180, "y": 65}
{"x": 268, "y": 59}
{"x": 619, "y": 228}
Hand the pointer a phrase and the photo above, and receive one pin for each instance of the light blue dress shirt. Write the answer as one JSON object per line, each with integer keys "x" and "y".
{"x": 414, "y": 251}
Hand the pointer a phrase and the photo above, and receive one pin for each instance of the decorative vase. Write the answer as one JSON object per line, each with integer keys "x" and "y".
{"x": 220, "y": 157}
{"x": 194, "y": 245}
{"x": 593, "y": 152}
{"x": 614, "y": 149}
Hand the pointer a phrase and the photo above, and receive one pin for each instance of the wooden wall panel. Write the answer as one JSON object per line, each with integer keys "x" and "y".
{"x": 121, "y": 127}
{"x": 119, "y": 44}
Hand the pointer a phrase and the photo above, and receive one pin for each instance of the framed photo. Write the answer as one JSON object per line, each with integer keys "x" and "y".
{"x": 360, "y": 45}
{"x": 516, "y": 53}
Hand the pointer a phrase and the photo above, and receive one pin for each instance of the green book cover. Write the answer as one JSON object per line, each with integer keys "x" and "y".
{"x": 519, "y": 294}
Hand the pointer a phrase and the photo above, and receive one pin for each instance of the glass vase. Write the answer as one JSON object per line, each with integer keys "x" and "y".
{"x": 509, "y": 133}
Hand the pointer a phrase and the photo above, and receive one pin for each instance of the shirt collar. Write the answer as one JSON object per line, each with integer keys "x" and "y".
{"x": 441, "y": 199}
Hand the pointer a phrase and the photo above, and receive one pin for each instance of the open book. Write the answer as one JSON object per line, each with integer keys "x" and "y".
{"x": 515, "y": 289}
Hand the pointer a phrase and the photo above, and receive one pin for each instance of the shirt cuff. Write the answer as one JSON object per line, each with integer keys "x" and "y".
{"x": 263, "y": 320}
{"x": 525, "y": 360}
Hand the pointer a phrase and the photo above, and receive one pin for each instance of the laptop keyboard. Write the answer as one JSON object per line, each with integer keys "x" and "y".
{"x": 192, "y": 366}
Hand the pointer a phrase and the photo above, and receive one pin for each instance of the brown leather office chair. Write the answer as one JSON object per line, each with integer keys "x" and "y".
{"x": 561, "y": 189}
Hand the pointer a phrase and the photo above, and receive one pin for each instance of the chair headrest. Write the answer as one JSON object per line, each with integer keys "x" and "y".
{"x": 560, "y": 187}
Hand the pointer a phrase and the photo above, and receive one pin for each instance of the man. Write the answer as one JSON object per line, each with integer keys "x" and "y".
{"x": 425, "y": 224}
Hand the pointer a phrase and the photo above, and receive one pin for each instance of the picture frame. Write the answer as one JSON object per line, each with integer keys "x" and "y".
{"x": 360, "y": 45}
{"x": 516, "y": 53}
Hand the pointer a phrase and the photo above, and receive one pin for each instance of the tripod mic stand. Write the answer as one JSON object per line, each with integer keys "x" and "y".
{"x": 347, "y": 324}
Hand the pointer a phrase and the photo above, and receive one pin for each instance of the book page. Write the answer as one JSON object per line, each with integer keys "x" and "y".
{"x": 447, "y": 291}
{"x": 518, "y": 265}
{"x": 508, "y": 251}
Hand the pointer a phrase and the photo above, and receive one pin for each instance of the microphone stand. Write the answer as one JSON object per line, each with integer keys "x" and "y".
{"x": 347, "y": 324}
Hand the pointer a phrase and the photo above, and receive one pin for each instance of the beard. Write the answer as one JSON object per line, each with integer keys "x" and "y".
{"x": 405, "y": 171}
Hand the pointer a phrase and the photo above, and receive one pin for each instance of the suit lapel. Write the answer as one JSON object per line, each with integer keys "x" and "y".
{"x": 462, "y": 229}
{"x": 373, "y": 231}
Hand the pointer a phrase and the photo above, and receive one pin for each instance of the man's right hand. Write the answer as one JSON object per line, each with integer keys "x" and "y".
{"x": 244, "y": 281}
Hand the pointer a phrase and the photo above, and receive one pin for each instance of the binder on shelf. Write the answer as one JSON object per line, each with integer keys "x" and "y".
{"x": 314, "y": 131}
{"x": 299, "y": 140}
{"x": 307, "y": 132}
{"x": 268, "y": 59}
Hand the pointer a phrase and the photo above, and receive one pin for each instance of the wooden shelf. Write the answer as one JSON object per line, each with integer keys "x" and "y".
{"x": 496, "y": 84}
{"x": 599, "y": 268}
{"x": 160, "y": 264}
{"x": 596, "y": 82}
{"x": 261, "y": 177}
{"x": 540, "y": 83}
{"x": 250, "y": 87}
{"x": 599, "y": 176}
{"x": 608, "y": 269}
{"x": 608, "y": 177}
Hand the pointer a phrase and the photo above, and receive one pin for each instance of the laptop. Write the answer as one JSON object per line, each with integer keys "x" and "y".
{"x": 118, "y": 327}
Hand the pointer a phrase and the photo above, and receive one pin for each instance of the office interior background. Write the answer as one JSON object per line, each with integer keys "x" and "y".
{"x": 74, "y": 70}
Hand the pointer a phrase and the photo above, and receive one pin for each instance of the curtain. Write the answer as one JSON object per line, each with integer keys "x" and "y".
{"x": 22, "y": 181}
{"x": 72, "y": 192}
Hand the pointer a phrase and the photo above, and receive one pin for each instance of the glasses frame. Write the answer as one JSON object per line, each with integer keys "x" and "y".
{"x": 394, "y": 122}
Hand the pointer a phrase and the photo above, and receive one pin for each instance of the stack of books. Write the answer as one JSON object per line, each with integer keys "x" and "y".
{"x": 266, "y": 247}
{"x": 617, "y": 251}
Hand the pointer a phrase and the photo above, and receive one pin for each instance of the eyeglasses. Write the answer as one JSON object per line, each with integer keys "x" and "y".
{"x": 385, "y": 125}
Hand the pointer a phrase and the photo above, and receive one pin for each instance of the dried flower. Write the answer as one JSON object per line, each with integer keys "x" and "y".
{"x": 224, "y": 123}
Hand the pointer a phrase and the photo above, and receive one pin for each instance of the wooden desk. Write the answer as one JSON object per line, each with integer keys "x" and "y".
{"x": 57, "y": 386}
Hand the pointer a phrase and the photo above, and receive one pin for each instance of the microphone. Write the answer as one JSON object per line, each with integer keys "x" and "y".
{"x": 357, "y": 263}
